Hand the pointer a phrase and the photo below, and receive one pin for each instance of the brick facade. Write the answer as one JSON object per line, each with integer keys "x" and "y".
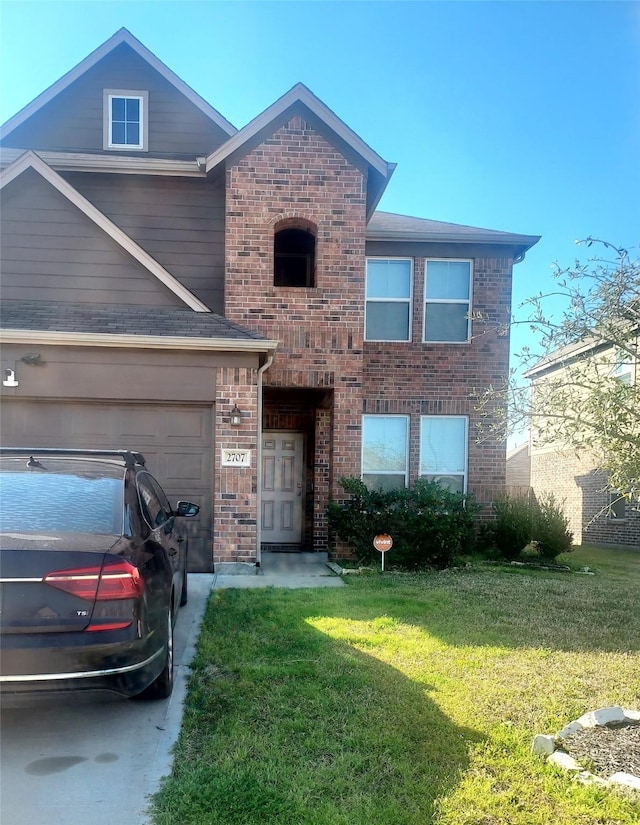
{"x": 235, "y": 493}
{"x": 297, "y": 174}
{"x": 419, "y": 378}
{"x": 295, "y": 177}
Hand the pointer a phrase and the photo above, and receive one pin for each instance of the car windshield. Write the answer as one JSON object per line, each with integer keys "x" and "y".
{"x": 60, "y": 502}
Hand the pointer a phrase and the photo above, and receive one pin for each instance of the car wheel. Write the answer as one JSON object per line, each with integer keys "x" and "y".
{"x": 162, "y": 685}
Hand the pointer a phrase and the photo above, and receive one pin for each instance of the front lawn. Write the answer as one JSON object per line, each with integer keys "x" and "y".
{"x": 406, "y": 699}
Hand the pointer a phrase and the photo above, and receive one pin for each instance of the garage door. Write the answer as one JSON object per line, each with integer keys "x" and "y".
{"x": 176, "y": 441}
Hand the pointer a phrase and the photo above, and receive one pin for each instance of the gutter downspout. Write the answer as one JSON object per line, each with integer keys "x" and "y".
{"x": 263, "y": 369}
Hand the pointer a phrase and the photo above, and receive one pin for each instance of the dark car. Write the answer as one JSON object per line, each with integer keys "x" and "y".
{"x": 93, "y": 567}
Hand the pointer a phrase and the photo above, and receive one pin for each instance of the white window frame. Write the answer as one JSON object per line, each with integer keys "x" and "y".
{"x": 427, "y": 300}
{"x": 129, "y": 94}
{"x": 624, "y": 368}
{"x": 406, "y": 448}
{"x": 408, "y": 300}
{"x": 465, "y": 473}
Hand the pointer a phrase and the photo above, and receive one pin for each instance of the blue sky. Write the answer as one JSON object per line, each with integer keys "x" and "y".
{"x": 520, "y": 116}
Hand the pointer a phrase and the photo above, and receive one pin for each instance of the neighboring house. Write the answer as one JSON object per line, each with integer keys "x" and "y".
{"x": 231, "y": 304}
{"x": 518, "y": 477}
{"x": 596, "y": 514}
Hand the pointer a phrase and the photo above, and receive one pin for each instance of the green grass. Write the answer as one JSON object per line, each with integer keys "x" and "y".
{"x": 406, "y": 699}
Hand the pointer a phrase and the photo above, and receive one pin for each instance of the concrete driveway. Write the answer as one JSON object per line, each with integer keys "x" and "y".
{"x": 73, "y": 763}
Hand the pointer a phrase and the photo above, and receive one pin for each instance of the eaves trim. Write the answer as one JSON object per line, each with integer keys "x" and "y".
{"x": 160, "y": 342}
{"x": 31, "y": 161}
{"x": 121, "y": 164}
{"x": 298, "y": 94}
{"x": 121, "y": 36}
{"x": 501, "y": 240}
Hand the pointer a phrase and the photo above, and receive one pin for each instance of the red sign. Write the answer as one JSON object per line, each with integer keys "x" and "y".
{"x": 383, "y": 542}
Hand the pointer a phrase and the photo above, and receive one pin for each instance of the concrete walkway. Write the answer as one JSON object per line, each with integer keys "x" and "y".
{"x": 290, "y": 570}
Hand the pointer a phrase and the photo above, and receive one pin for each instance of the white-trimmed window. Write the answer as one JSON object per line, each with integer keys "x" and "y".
{"x": 447, "y": 306}
{"x": 443, "y": 450}
{"x": 385, "y": 448}
{"x": 624, "y": 367}
{"x": 126, "y": 119}
{"x": 388, "y": 299}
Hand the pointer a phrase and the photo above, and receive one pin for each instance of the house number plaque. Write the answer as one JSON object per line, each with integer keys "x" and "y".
{"x": 235, "y": 457}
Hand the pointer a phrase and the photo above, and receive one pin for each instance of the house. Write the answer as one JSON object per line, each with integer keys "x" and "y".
{"x": 230, "y": 303}
{"x": 518, "y": 475}
{"x": 572, "y": 473}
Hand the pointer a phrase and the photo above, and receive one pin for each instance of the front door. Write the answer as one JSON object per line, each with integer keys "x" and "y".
{"x": 282, "y": 487}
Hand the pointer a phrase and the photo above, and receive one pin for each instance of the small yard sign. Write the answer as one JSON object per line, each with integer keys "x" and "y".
{"x": 383, "y": 542}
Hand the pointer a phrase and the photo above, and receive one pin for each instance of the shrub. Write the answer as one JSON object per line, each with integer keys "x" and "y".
{"x": 512, "y": 529}
{"x": 551, "y": 529}
{"x": 429, "y": 524}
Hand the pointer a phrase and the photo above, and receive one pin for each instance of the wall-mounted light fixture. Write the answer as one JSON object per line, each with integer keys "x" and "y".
{"x": 236, "y": 416}
{"x": 10, "y": 379}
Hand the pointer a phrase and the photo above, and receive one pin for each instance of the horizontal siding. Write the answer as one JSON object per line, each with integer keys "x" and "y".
{"x": 49, "y": 249}
{"x": 178, "y": 221}
{"x": 73, "y": 121}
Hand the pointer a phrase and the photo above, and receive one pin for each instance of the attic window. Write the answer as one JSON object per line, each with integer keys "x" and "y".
{"x": 125, "y": 120}
{"x": 294, "y": 254}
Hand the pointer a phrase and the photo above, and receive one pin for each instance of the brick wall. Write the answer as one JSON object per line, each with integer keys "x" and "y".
{"x": 235, "y": 499}
{"x": 297, "y": 174}
{"x": 439, "y": 379}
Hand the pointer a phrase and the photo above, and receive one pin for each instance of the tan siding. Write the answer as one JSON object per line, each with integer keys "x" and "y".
{"x": 180, "y": 222}
{"x": 51, "y": 251}
{"x": 114, "y": 373}
{"x": 73, "y": 120}
{"x": 174, "y": 439}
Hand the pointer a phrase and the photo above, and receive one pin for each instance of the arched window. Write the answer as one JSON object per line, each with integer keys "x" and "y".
{"x": 294, "y": 256}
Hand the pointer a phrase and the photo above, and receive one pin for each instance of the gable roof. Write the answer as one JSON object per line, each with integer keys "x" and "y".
{"x": 30, "y": 160}
{"x": 387, "y": 226}
{"x": 379, "y": 170}
{"x": 120, "y": 37}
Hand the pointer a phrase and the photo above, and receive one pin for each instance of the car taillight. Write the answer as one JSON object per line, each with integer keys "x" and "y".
{"x": 120, "y": 580}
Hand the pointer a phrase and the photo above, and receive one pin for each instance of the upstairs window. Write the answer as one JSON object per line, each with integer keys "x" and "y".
{"x": 447, "y": 309}
{"x": 388, "y": 299}
{"x": 125, "y": 120}
{"x": 443, "y": 450}
{"x": 294, "y": 256}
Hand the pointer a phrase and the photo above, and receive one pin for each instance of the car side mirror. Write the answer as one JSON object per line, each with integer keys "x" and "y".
{"x": 187, "y": 509}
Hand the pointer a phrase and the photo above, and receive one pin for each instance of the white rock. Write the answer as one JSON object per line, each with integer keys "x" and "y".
{"x": 572, "y": 727}
{"x": 602, "y": 716}
{"x": 590, "y": 779}
{"x": 563, "y": 760}
{"x": 632, "y": 715}
{"x": 543, "y": 744}
{"x": 627, "y": 779}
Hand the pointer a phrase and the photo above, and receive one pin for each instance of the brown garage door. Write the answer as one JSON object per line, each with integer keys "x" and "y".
{"x": 176, "y": 441}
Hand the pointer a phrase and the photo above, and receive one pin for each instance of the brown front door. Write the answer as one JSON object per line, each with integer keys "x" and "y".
{"x": 282, "y": 487}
